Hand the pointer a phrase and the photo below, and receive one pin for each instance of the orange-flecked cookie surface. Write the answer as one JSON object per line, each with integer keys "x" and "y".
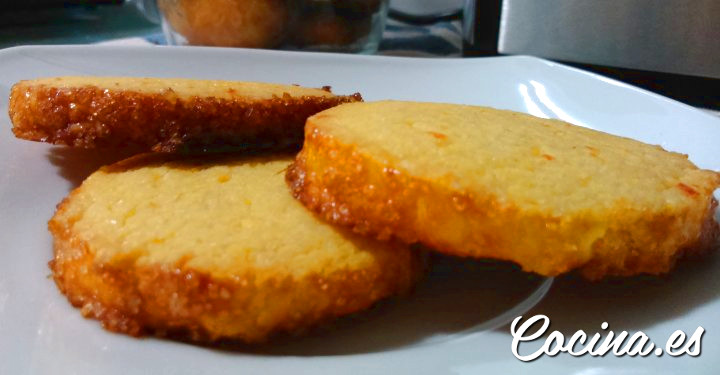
{"x": 479, "y": 182}
{"x": 163, "y": 114}
{"x": 213, "y": 248}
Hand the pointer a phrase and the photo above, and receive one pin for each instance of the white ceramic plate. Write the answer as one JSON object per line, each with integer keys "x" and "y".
{"x": 41, "y": 333}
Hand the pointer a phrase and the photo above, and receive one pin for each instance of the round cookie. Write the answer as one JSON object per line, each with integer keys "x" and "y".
{"x": 213, "y": 247}
{"x": 487, "y": 183}
{"x": 164, "y": 114}
{"x": 229, "y": 23}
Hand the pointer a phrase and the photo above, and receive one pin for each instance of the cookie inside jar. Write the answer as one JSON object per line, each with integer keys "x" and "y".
{"x": 339, "y": 25}
{"x": 316, "y": 25}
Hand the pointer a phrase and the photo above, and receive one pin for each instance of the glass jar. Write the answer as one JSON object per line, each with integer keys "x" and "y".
{"x": 316, "y": 25}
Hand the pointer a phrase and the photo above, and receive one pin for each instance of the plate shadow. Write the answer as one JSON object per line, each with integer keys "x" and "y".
{"x": 630, "y": 304}
{"x": 75, "y": 164}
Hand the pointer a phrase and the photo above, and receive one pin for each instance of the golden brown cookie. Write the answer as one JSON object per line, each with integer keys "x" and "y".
{"x": 486, "y": 183}
{"x": 163, "y": 114}
{"x": 213, "y": 248}
{"x": 229, "y": 23}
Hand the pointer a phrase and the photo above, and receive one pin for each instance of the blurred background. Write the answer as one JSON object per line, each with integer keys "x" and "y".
{"x": 670, "y": 46}
{"x": 92, "y": 21}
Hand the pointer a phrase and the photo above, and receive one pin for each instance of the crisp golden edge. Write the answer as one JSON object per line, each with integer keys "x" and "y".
{"x": 326, "y": 191}
{"x": 137, "y": 300}
{"x": 90, "y": 117}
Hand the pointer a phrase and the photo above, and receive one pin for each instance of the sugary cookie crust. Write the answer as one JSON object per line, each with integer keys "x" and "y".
{"x": 346, "y": 186}
{"x": 88, "y": 116}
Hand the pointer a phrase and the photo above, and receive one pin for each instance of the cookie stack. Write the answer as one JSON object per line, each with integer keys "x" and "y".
{"x": 257, "y": 240}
